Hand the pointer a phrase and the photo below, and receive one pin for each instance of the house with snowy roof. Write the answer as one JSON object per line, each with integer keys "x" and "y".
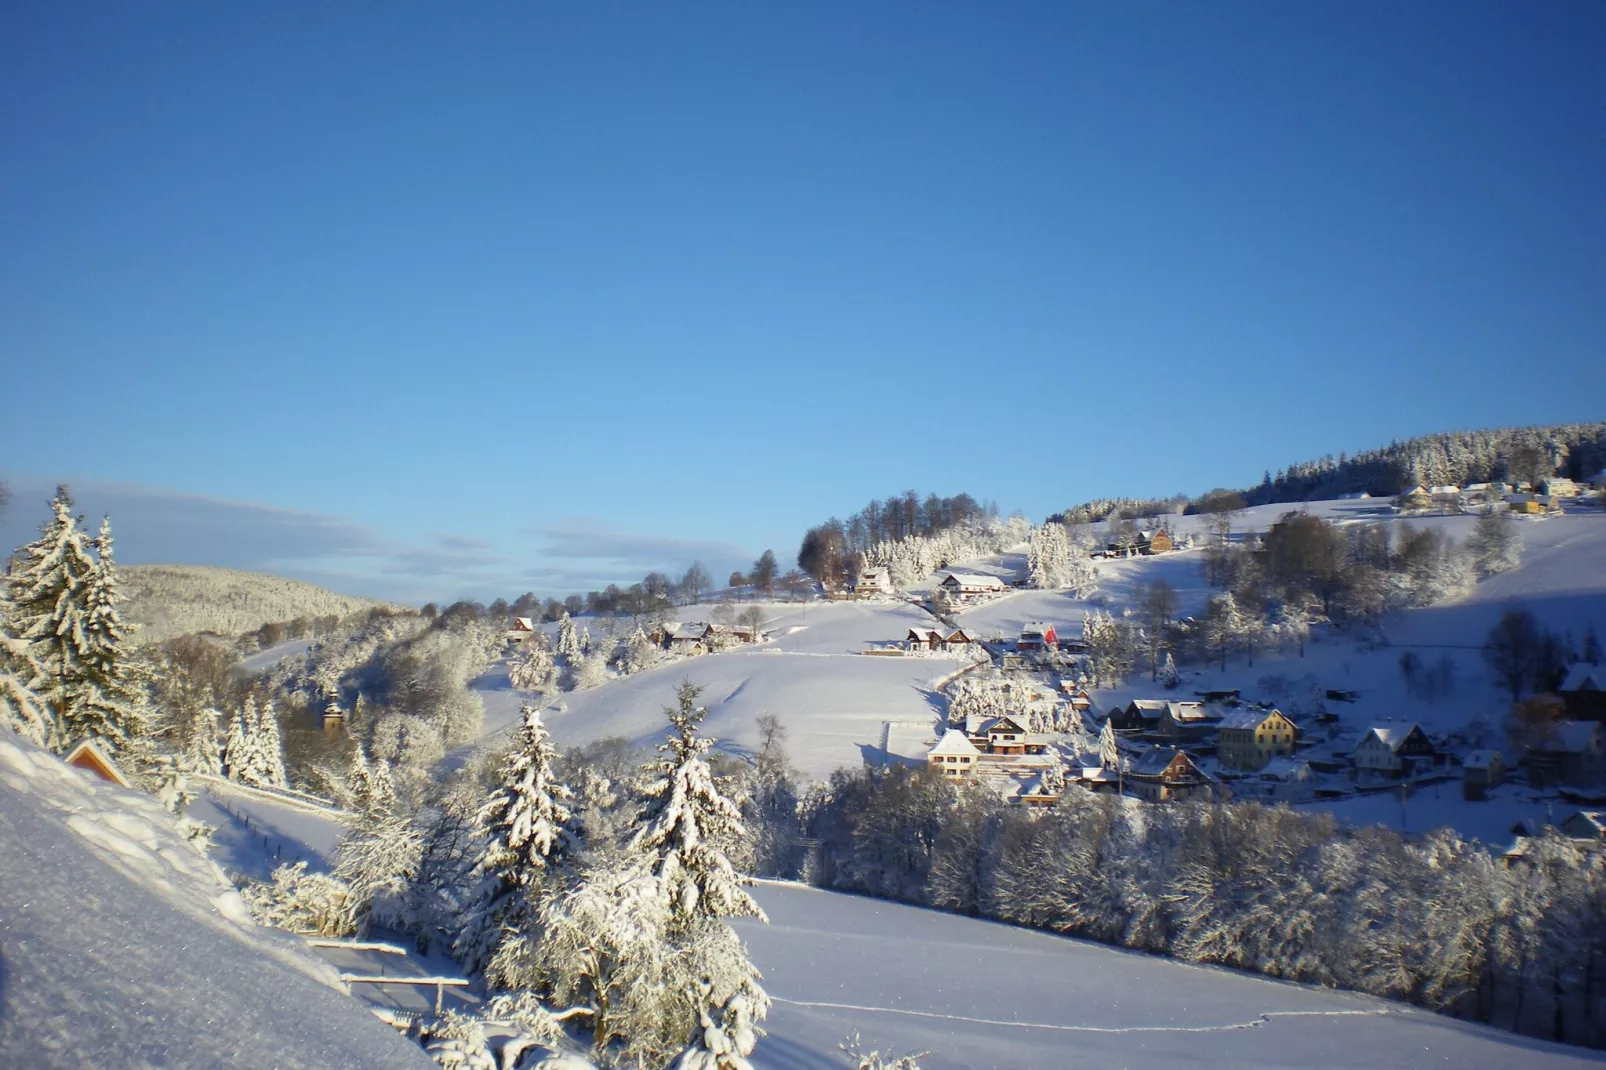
{"x": 1559, "y": 487}
{"x": 1585, "y": 825}
{"x": 955, "y": 756}
{"x": 1571, "y": 752}
{"x": 522, "y": 629}
{"x": 1480, "y": 771}
{"x": 1187, "y": 722}
{"x": 1584, "y": 692}
{"x": 91, "y": 757}
{"x": 876, "y": 580}
{"x": 1394, "y": 750}
{"x": 1139, "y": 715}
{"x": 1037, "y": 637}
{"x": 1158, "y": 541}
{"x": 688, "y": 637}
{"x": 967, "y": 588}
{"x": 1166, "y": 773}
{"x": 1250, "y": 738}
{"x": 1008, "y": 735}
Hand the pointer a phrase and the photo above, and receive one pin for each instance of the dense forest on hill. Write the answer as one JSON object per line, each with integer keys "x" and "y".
{"x": 1577, "y": 451}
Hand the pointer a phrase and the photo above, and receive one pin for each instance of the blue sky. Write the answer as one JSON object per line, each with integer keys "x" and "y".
{"x": 438, "y": 299}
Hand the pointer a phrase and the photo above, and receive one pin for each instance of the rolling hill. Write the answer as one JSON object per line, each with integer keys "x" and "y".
{"x": 172, "y": 600}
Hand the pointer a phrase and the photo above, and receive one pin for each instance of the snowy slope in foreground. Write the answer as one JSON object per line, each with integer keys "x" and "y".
{"x": 121, "y": 946}
{"x": 979, "y": 994}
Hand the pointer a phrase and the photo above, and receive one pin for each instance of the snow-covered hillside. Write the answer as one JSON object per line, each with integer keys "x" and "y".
{"x": 832, "y": 698}
{"x": 835, "y": 700}
{"x": 170, "y": 600}
{"x": 121, "y": 946}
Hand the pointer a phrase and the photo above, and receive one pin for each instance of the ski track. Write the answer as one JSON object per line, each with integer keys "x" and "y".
{"x": 1254, "y": 1023}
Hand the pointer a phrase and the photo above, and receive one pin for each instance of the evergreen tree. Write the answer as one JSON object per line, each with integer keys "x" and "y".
{"x": 270, "y": 747}
{"x": 1109, "y": 749}
{"x": 1168, "y": 672}
{"x": 1591, "y": 651}
{"x": 237, "y": 747}
{"x": 528, "y": 829}
{"x": 686, "y": 816}
{"x": 201, "y": 751}
{"x": 114, "y": 708}
{"x": 568, "y": 640}
{"x": 49, "y": 597}
{"x": 21, "y": 709}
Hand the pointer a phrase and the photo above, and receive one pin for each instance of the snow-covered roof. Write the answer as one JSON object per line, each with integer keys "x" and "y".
{"x": 974, "y": 579}
{"x": 1285, "y": 768}
{"x": 1155, "y": 762}
{"x": 1596, "y": 819}
{"x": 1584, "y": 677}
{"x": 523, "y": 624}
{"x": 1036, "y": 627}
{"x": 1191, "y": 713}
{"x": 1149, "y": 705}
{"x": 1001, "y": 724}
{"x": 93, "y": 757}
{"x": 924, "y": 635}
{"x": 1481, "y": 759}
{"x": 955, "y": 742}
{"x": 692, "y": 629}
{"x": 1571, "y": 737}
{"x": 1246, "y": 718}
{"x": 1391, "y": 735}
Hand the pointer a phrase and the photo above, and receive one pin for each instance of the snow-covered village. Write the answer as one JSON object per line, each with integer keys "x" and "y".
{"x": 462, "y": 607}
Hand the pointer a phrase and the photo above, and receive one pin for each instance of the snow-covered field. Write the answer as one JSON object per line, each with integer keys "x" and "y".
{"x": 979, "y": 994}
{"x": 121, "y": 946}
{"x": 832, "y": 698}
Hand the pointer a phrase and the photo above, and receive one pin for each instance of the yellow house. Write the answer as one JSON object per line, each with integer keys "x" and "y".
{"x": 1250, "y": 738}
{"x": 954, "y": 754}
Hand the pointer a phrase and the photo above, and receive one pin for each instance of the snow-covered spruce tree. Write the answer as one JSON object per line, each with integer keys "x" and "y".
{"x": 639, "y": 654}
{"x": 1168, "y": 672}
{"x": 201, "y": 750}
{"x": 568, "y": 639}
{"x": 724, "y": 1038}
{"x": 1048, "y": 556}
{"x": 239, "y": 757}
{"x": 49, "y": 600}
{"x": 114, "y": 707}
{"x": 528, "y": 828}
{"x": 686, "y": 818}
{"x": 1109, "y": 749}
{"x": 270, "y": 747}
{"x": 20, "y": 709}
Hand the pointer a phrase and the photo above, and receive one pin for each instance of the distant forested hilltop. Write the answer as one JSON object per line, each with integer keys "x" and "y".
{"x": 1515, "y": 454}
{"x": 1577, "y": 451}
{"x": 171, "y": 600}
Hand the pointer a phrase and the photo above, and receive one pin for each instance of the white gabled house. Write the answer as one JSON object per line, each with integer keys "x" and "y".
{"x": 1394, "y": 750}
{"x": 876, "y": 580}
{"x": 955, "y": 755}
{"x": 965, "y": 588}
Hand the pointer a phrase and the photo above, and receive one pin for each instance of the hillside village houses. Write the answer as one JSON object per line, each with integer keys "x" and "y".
{"x": 938, "y": 640}
{"x": 1166, "y": 773}
{"x": 968, "y": 588}
{"x": 1394, "y": 750}
{"x": 1037, "y": 637}
{"x": 1583, "y": 692}
{"x": 1250, "y": 738}
{"x": 873, "y": 581}
{"x": 1480, "y": 771}
{"x": 1573, "y": 752}
{"x": 1187, "y": 722}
